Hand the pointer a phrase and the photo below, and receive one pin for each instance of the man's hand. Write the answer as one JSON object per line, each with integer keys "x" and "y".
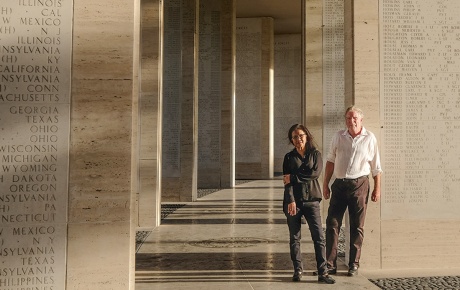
{"x": 375, "y": 195}
{"x": 376, "y": 192}
{"x": 292, "y": 209}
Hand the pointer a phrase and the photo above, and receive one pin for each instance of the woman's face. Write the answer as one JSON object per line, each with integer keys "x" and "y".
{"x": 299, "y": 139}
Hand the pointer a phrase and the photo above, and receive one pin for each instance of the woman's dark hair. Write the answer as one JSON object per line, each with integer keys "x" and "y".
{"x": 311, "y": 144}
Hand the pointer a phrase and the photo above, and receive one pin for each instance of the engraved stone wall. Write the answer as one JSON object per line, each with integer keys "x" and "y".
{"x": 420, "y": 105}
{"x": 34, "y": 121}
{"x": 172, "y": 89}
{"x": 248, "y": 89}
{"x": 180, "y": 100}
{"x": 149, "y": 195}
{"x": 254, "y": 98}
{"x": 227, "y": 136}
{"x": 333, "y": 70}
{"x": 209, "y": 95}
{"x": 287, "y": 93}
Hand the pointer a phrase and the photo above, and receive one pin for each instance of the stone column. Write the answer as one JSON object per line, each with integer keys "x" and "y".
{"x": 333, "y": 70}
{"x": 180, "y": 101}
{"x": 149, "y": 107}
{"x": 287, "y": 93}
{"x": 254, "y": 98}
{"x": 100, "y": 251}
{"x": 420, "y": 125}
{"x": 313, "y": 78}
{"x": 227, "y": 145}
{"x": 216, "y": 92}
{"x": 362, "y": 89}
{"x": 35, "y": 110}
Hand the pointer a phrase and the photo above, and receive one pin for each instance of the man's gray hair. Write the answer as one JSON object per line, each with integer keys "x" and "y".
{"x": 353, "y": 108}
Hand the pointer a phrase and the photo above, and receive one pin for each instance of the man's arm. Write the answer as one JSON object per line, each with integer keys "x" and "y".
{"x": 327, "y": 178}
{"x": 376, "y": 192}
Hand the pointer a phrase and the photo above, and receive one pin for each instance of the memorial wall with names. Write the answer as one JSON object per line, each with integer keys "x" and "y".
{"x": 172, "y": 89}
{"x": 35, "y": 73}
{"x": 420, "y": 108}
{"x": 287, "y": 93}
{"x": 248, "y": 90}
{"x": 209, "y": 94}
{"x": 333, "y": 71}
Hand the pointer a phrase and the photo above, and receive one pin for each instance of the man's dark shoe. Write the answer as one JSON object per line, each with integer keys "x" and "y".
{"x": 297, "y": 276}
{"x": 326, "y": 279}
{"x": 353, "y": 271}
{"x": 330, "y": 271}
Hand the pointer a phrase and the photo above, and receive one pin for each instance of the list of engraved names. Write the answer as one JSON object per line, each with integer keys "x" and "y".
{"x": 420, "y": 103}
{"x": 172, "y": 89}
{"x": 333, "y": 69}
{"x": 35, "y": 37}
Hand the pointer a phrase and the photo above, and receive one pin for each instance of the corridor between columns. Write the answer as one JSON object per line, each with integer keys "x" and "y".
{"x": 230, "y": 239}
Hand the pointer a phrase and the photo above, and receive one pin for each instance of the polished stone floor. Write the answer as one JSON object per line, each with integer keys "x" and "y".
{"x": 230, "y": 239}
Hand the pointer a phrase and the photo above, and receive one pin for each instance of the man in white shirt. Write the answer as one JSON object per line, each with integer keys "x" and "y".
{"x": 352, "y": 157}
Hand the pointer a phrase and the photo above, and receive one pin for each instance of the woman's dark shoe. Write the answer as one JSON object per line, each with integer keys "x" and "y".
{"x": 330, "y": 271}
{"x": 297, "y": 276}
{"x": 353, "y": 271}
{"x": 326, "y": 279}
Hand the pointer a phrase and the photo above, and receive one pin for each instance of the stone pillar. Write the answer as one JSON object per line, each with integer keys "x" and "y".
{"x": 35, "y": 110}
{"x": 287, "y": 93}
{"x": 333, "y": 70}
{"x": 100, "y": 251}
{"x": 216, "y": 92}
{"x": 149, "y": 104}
{"x": 227, "y": 136}
{"x": 419, "y": 111}
{"x": 314, "y": 68}
{"x": 362, "y": 89}
{"x": 254, "y": 98}
{"x": 66, "y": 143}
{"x": 180, "y": 101}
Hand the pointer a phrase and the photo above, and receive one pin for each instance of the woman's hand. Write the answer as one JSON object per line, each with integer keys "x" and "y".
{"x": 292, "y": 208}
{"x": 286, "y": 179}
{"x": 326, "y": 192}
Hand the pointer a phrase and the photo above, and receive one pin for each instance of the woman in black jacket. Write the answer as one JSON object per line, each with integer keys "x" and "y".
{"x": 302, "y": 196}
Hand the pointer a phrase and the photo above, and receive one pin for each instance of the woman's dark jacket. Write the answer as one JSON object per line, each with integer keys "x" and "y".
{"x": 304, "y": 173}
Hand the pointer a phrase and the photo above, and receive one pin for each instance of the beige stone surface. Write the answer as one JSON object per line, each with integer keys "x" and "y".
{"x": 183, "y": 186}
{"x": 217, "y": 93}
{"x": 254, "y": 137}
{"x": 100, "y": 235}
{"x": 98, "y": 256}
{"x": 98, "y": 167}
{"x": 420, "y": 244}
{"x": 287, "y": 93}
{"x": 149, "y": 199}
{"x": 314, "y": 69}
{"x": 228, "y": 27}
{"x": 149, "y": 196}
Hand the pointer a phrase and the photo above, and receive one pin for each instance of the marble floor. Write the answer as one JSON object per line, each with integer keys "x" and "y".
{"x": 230, "y": 239}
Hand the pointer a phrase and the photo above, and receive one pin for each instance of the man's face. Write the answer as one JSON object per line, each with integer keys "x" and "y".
{"x": 354, "y": 122}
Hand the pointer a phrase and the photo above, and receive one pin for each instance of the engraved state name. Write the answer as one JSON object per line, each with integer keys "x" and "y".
{"x": 33, "y": 197}
{"x": 26, "y": 271}
{"x": 27, "y": 251}
{"x": 28, "y": 217}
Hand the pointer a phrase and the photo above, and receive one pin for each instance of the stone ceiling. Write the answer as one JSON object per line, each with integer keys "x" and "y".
{"x": 286, "y": 13}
